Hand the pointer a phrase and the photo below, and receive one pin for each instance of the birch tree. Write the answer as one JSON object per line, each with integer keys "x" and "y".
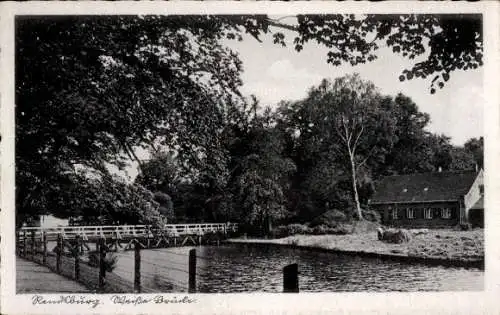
{"x": 353, "y": 123}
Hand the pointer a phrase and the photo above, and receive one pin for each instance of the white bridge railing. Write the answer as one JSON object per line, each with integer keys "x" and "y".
{"x": 122, "y": 231}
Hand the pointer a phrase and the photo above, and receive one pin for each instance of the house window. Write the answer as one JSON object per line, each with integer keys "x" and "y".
{"x": 394, "y": 214}
{"x": 410, "y": 213}
{"x": 446, "y": 213}
{"x": 428, "y": 213}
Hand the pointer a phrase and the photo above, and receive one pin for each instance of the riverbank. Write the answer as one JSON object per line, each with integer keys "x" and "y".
{"x": 447, "y": 247}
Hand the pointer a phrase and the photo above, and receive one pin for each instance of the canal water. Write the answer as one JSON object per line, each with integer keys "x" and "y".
{"x": 248, "y": 268}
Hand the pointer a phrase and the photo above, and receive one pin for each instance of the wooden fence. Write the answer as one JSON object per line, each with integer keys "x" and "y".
{"x": 66, "y": 259}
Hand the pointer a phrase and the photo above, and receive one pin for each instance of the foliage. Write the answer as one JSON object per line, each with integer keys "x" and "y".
{"x": 160, "y": 173}
{"x": 372, "y": 215}
{"x": 261, "y": 172}
{"x": 104, "y": 198}
{"x": 166, "y": 206}
{"x": 330, "y": 218}
{"x": 455, "y": 41}
{"x": 476, "y": 147}
{"x": 90, "y": 90}
{"x": 110, "y": 260}
{"x": 397, "y": 236}
{"x": 349, "y": 119}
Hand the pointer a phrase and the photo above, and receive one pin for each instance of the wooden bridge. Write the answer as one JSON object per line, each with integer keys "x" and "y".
{"x": 115, "y": 236}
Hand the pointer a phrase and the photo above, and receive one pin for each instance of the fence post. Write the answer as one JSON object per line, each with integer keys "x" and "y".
{"x": 192, "y": 271}
{"x": 137, "y": 268}
{"x": 76, "y": 252}
{"x": 59, "y": 252}
{"x": 33, "y": 245}
{"x": 44, "y": 242}
{"x": 25, "y": 247}
{"x": 291, "y": 278}
{"x": 102, "y": 264}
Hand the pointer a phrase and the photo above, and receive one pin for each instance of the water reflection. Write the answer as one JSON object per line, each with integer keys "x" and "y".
{"x": 241, "y": 268}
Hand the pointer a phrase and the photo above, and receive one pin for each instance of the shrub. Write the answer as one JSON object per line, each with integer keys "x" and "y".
{"x": 339, "y": 230}
{"x": 279, "y": 231}
{"x": 320, "y": 229}
{"x": 297, "y": 229}
{"x": 465, "y": 226}
{"x": 110, "y": 260}
{"x": 371, "y": 215}
{"x": 330, "y": 218}
{"x": 397, "y": 236}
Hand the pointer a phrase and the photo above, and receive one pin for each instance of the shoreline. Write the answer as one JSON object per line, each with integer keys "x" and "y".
{"x": 293, "y": 242}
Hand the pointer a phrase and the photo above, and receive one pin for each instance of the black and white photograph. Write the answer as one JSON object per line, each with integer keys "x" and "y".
{"x": 248, "y": 153}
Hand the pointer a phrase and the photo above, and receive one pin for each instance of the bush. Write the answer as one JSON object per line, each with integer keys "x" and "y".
{"x": 371, "y": 215}
{"x": 465, "y": 226}
{"x": 279, "y": 231}
{"x": 110, "y": 260}
{"x": 288, "y": 230}
{"x": 296, "y": 228}
{"x": 397, "y": 236}
{"x": 330, "y": 218}
{"x": 339, "y": 230}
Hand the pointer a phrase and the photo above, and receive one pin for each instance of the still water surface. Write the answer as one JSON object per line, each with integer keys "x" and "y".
{"x": 243, "y": 268}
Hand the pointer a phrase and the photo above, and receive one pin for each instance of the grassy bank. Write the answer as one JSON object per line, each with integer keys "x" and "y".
{"x": 463, "y": 246}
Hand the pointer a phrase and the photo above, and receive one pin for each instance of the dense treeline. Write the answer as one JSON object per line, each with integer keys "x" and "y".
{"x": 91, "y": 90}
{"x": 290, "y": 164}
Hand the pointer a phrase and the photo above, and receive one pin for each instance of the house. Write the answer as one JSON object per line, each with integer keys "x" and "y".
{"x": 438, "y": 199}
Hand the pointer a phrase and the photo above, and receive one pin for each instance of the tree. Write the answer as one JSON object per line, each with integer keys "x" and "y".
{"x": 261, "y": 172}
{"x": 476, "y": 147}
{"x": 166, "y": 206}
{"x": 160, "y": 173}
{"x": 347, "y": 126}
{"x": 90, "y": 89}
{"x": 412, "y": 151}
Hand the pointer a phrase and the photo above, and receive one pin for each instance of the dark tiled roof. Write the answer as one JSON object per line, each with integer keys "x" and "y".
{"x": 479, "y": 204}
{"x": 423, "y": 187}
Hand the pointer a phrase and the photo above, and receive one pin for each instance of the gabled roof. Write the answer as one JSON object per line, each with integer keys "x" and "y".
{"x": 479, "y": 205}
{"x": 424, "y": 187}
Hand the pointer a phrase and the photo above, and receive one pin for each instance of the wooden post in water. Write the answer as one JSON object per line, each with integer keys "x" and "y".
{"x": 59, "y": 252}
{"x": 102, "y": 263}
{"x": 192, "y": 271}
{"x": 137, "y": 268}
{"x": 291, "y": 279}
{"x": 44, "y": 242}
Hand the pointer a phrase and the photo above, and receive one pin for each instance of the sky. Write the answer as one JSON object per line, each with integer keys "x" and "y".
{"x": 274, "y": 73}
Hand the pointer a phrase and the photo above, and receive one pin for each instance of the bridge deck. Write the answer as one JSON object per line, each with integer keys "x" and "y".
{"x": 128, "y": 231}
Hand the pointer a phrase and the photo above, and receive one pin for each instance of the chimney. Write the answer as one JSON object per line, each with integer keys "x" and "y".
{"x": 440, "y": 169}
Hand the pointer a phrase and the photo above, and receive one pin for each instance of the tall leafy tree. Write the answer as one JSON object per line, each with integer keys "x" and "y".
{"x": 90, "y": 89}
{"x": 261, "y": 173}
{"x": 476, "y": 147}
{"x": 348, "y": 122}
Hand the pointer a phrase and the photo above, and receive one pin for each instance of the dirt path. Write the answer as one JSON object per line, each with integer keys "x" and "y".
{"x": 34, "y": 278}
